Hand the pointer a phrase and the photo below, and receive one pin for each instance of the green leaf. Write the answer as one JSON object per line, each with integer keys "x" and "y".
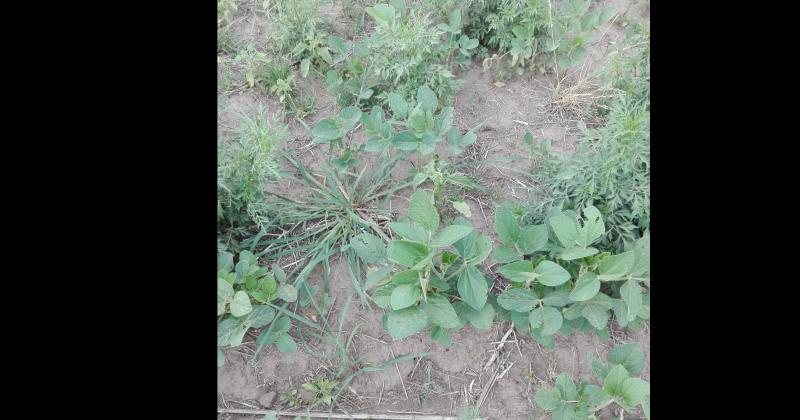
{"x": 220, "y": 357}
{"x": 375, "y": 277}
{"x": 368, "y": 247}
{"x": 406, "y": 253}
{"x": 612, "y": 383}
{"x": 532, "y": 238}
{"x": 240, "y": 305}
{"x": 566, "y": 387}
{"x": 518, "y": 300}
{"x": 595, "y": 314}
{"x": 646, "y": 406}
{"x": 417, "y": 119}
{"x": 593, "y": 394}
{"x": 483, "y": 247}
{"x": 599, "y": 367}
{"x": 450, "y": 235}
{"x": 383, "y": 13}
{"x": 593, "y": 227}
{"x": 406, "y": 277}
{"x": 482, "y": 319}
{"x": 506, "y": 226}
{"x": 472, "y": 287}
{"x": 631, "y": 293}
{"x": 227, "y": 330}
{"x": 565, "y": 229}
{"x": 288, "y": 293}
{"x": 548, "y": 398}
{"x": 409, "y": 232}
{"x": 441, "y": 335}
{"x": 382, "y": 295}
{"x": 422, "y": 211}
{"x": 440, "y": 312}
{"x": 224, "y": 291}
{"x": 551, "y": 274}
{"x": 634, "y": 390}
{"x": 462, "y": 208}
{"x": 325, "y": 131}
{"x": 586, "y": 287}
{"x": 260, "y": 316}
{"x": 404, "y": 296}
{"x": 557, "y": 298}
{"x": 576, "y": 253}
{"x": 286, "y": 344}
{"x": 628, "y": 355}
{"x": 427, "y": 98}
{"x": 642, "y": 250}
{"x": 225, "y": 261}
{"x": 505, "y": 254}
{"x": 349, "y": 117}
{"x": 548, "y": 318}
{"x": 398, "y": 105}
{"x": 518, "y": 271}
{"x": 616, "y": 267}
{"x": 304, "y": 65}
{"x": 406, "y": 322}
{"x": 282, "y": 325}
{"x": 454, "y": 20}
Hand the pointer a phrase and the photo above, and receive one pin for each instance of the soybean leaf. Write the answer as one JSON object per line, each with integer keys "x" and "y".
{"x": 288, "y": 293}
{"x": 505, "y": 254}
{"x": 462, "y": 208}
{"x": 450, "y": 234}
{"x": 616, "y": 267}
{"x": 422, "y": 211}
{"x": 586, "y": 287}
{"x": 441, "y": 335}
{"x": 406, "y": 322}
{"x": 406, "y": 253}
{"x": 566, "y": 387}
{"x": 631, "y": 293}
{"x": 634, "y": 390}
{"x": 472, "y": 287}
{"x": 240, "y": 305}
{"x": 548, "y": 398}
{"x": 565, "y": 229}
{"x": 427, "y": 98}
{"x": 286, "y": 344}
{"x": 551, "y": 274}
{"x": 398, "y": 105}
{"x": 532, "y": 238}
{"x": 518, "y": 271}
{"x": 404, "y": 296}
{"x": 518, "y": 300}
{"x": 628, "y": 355}
{"x": 576, "y": 253}
{"x": 440, "y": 312}
{"x": 383, "y": 13}
{"x": 506, "y": 226}
{"x": 612, "y": 383}
{"x": 325, "y": 131}
{"x": 409, "y": 232}
{"x": 368, "y": 247}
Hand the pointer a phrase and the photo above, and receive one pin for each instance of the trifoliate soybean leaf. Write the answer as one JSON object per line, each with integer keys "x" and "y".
{"x": 366, "y": 94}
{"x": 427, "y": 144}
{"x": 565, "y": 229}
{"x": 586, "y": 287}
{"x": 566, "y": 387}
{"x": 505, "y": 254}
{"x": 574, "y": 312}
{"x": 532, "y": 238}
{"x": 304, "y": 66}
{"x": 406, "y": 277}
{"x": 238, "y": 335}
{"x": 406, "y": 322}
{"x": 220, "y": 357}
{"x": 644, "y": 312}
{"x": 551, "y": 274}
{"x": 482, "y": 319}
{"x": 589, "y": 21}
{"x": 576, "y": 253}
{"x": 349, "y": 116}
{"x": 383, "y": 13}
{"x": 226, "y": 330}
{"x": 628, "y": 355}
{"x": 536, "y": 318}
{"x": 382, "y": 295}
{"x": 518, "y": 300}
{"x": 221, "y": 306}
{"x": 518, "y": 271}
{"x": 260, "y": 316}
{"x": 520, "y": 320}
{"x": 631, "y": 293}
{"x": 557, "y": 298}
{"x": 282, "y": 324}
{"x": 427, "y": 98}
{"x": 368, "y": 247}
{"x": 454, "y": 20}
{"x": 285, "y": 344}
{"x": 593, "y": 395}
{"x": 595, "y": 314}
{"x": 599, "y": 367}
{"x": 405, "y": 141}
{"x": 552, "y": 320}
{"x": 472, "y": 287}
{"x": 616, "y": 267}
{"x": 641, "y": 268}
{"x": 483, "y": 247}
{"x": 449, "y": 235}
{"x": 288, "y": 293}
{"x": 444, "y": 121}
{"x": 612, "y": 383}
{"x": 225, "y": 261}
{"x": 224, "y": 291}
{"x": 398, "y": 105}
{"x": 422, "y": 211}
{"x": 462, "y": 208}
{"x": 409, "y": 232}
{"x": 506, "y": 226}
{"x": 441, "y": 335}
{"x": 406, "y": 253}
{"x": 240, "y": 305}
{"x": 375, "y": 276}
{"x": 440, "y": 312}
{"x": 603, "y": 300}
{"x": 242, "y": 270}
{"x": 325, "y": 131}
{"x": 548, "y": 398}
{"x": 404, "y": 296}
{"x": 634, "y": 390}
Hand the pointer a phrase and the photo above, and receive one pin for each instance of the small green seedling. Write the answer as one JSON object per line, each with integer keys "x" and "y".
{"x": 620, "y": 386}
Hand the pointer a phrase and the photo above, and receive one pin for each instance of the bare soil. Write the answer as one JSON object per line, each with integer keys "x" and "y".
{"x": 446, "y": 379}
